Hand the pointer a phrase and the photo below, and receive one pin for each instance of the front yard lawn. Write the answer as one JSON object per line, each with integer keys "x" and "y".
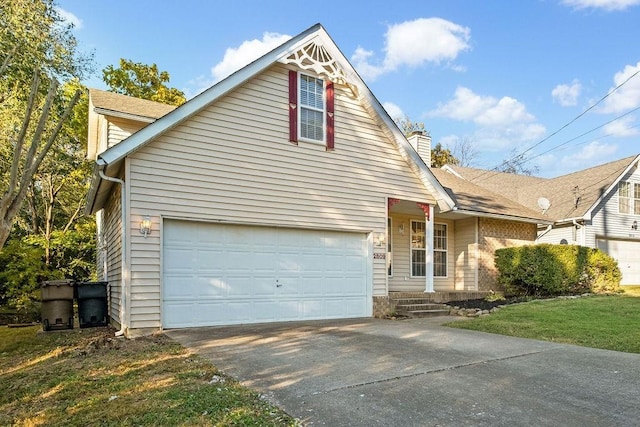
{"x": 87, "y": 377}
{"x": 607, "y": 322}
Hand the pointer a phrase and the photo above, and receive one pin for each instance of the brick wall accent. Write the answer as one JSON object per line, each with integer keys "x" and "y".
{"x": 496, "y": 234}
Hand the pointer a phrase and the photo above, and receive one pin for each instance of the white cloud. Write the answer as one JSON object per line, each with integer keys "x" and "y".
{"x": 414, "y": 43}
{"x": 247, "y": 52}
{"x": 628, "y": 95}
{"x": 394, "y": 111}
{"x": 567, "y": 95}
{"x": 623, "y": 127}
{"x": 69, "y": 18}
{"x": 360, "y": 61}
{"x": 593, "y": 153}
{"x": 502, "y": 123}
{"x": 608, "y": 5}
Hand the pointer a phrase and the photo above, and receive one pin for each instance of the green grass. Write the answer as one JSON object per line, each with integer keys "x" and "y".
{"x": 607, "y": 322}
{"x": 86, "y": 377}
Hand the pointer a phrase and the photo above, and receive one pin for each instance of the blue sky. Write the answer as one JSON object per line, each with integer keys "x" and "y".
{"x": 503, "y": 75}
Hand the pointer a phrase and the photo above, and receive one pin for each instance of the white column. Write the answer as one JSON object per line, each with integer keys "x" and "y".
{"x": 428, "y": 219}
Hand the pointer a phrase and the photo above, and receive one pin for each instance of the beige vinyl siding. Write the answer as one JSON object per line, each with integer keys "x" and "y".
{"x": 608, "y": 222}
{"x": 232, "y": 162}
{"x": 402, "y": 280}
{"x": 466, "y": 254}
{"x": 113, "y": 246}
{"x": 120, "y": 129}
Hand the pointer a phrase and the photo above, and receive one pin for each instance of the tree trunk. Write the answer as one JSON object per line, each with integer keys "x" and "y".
{"x": 26, "y": 161}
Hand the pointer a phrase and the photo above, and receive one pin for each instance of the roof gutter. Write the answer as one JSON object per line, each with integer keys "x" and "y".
{"x": 502, "y": 216}
{"x": 124, "y": 275}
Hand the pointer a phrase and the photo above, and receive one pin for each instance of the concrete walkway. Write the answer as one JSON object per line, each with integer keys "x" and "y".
{"x": 368, "y": 372}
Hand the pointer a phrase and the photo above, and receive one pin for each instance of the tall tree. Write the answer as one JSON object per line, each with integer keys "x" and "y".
{"x": 465, "y": 152}
{"x": 440, "y": 155}
{"x": 142, "y": 81}
{"x": 36, "y": 49}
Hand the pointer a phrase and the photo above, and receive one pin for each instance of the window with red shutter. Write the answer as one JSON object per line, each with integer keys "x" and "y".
{"x": 311, "y": 109}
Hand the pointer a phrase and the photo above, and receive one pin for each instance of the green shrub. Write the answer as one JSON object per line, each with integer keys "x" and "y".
{"x": 547, "y": 270}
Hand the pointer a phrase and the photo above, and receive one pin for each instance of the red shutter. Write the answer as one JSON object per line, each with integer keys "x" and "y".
{"x": 293, "y": 107}
{"x": 330, "y": 133}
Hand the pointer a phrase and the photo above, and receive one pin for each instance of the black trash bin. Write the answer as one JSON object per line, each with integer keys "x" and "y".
{"x": 57, "y": 304}
{"x": 92, "y": 303}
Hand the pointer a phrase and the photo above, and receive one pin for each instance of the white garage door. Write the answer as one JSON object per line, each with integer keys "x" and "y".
{"x": 627, "y": 253}
{"x": 228, "y": 274}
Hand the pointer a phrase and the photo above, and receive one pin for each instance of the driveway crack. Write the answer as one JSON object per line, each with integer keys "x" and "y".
{"x": 433, "y": 371}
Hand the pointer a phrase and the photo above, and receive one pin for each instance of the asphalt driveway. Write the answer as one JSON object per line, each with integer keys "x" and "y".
{"x": 367, "y": 372}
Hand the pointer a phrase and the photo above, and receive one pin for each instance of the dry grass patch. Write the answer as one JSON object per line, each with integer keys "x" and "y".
{"x": 88, "y": 377}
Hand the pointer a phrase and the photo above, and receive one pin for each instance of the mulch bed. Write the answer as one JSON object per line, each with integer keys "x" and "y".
{"x": 483, "y": 304}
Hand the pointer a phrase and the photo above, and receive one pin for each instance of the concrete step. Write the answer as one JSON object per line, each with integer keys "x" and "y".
{"x": 420, "y": 306}
{"x": 410, "y": 301}
{"x": 427, "y": 313}
{"x": 416, "y": 307}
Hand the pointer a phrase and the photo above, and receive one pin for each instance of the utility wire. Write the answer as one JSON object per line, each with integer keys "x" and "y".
{"x": 586, "y": 133}
{"x": 521, "y": 155}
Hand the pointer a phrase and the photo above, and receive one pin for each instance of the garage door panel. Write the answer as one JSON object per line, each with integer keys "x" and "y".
{"x": 240, "y": 274}
{"x": 627, "y": 254}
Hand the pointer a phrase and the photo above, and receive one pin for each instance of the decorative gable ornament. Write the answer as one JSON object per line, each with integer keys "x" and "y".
{"x": 315, "y": 57}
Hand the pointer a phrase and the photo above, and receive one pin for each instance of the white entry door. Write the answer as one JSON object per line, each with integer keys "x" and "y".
{"x": 229, "y": 274}
{"x": 627, "y": 253}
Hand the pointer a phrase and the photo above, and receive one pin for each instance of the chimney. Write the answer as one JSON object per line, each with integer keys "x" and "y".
{"x": 421, "y": 142}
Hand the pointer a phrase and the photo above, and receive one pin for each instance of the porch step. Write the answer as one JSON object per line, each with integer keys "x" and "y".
{"x": 420, "y": 307}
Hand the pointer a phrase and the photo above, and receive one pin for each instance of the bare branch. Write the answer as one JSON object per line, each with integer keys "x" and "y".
{"x": 17, "y": 151}
{"x": 7, "y": 60}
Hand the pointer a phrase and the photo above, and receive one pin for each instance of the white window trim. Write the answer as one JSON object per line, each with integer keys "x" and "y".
{"x": 433, "y": 249}
{"x": 446, "y": 251}
{"x": 324, "y": 110}
{"x": 411, "y": 249}
{"x": 631, "y": 198}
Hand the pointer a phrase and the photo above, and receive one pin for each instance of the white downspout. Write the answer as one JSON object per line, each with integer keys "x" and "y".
{"x": 579, "y": 239}
{"x": 123, "y": 251}
{"x": 549, "y": 227}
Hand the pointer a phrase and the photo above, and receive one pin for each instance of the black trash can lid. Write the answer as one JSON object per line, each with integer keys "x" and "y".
{"x": 64, "y": 282}
{"x": 92, "y": 283}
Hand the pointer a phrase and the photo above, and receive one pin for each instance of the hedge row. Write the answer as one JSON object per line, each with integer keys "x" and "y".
{"x": 546, "y": 270}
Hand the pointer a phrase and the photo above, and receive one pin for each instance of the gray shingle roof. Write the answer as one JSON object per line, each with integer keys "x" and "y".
{"x": 571, "y": 195}
{"x": 475, "y": 198}
{"x": 126, "y": 104}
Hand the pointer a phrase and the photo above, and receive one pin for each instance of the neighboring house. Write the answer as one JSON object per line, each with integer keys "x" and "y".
{"x": 597, "y": 207}
{"x": 283, "y": 192}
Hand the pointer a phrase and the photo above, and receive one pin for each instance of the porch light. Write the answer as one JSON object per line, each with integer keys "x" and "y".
{"x": 379, "y": 240}
{"x": 401, "y": 229}
{"x": 634, "y": 226}
{"x": 145, "y": 226}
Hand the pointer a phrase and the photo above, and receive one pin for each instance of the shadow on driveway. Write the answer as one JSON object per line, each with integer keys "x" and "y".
{"x": 418, "y": 373}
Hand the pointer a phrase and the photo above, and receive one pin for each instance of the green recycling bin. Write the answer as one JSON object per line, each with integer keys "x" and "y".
{"x": 57, "y": 304}
{"x": 92, "y": 304}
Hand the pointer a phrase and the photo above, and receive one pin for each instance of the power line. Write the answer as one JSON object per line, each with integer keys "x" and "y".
{"x": 585, "y": 133}
{"x": 521, "y": 155}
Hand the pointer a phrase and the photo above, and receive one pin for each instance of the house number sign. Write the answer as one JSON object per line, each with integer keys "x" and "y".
{"x": 379, "y": 255}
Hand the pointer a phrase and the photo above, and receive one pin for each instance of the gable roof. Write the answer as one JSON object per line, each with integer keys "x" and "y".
{"x": 115, "y": 104}
{"x": 476, "y": 200}
{"x": 572, "y": 196}
{"x": 577, "y": 194}
{"x": 109, "y": 161}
